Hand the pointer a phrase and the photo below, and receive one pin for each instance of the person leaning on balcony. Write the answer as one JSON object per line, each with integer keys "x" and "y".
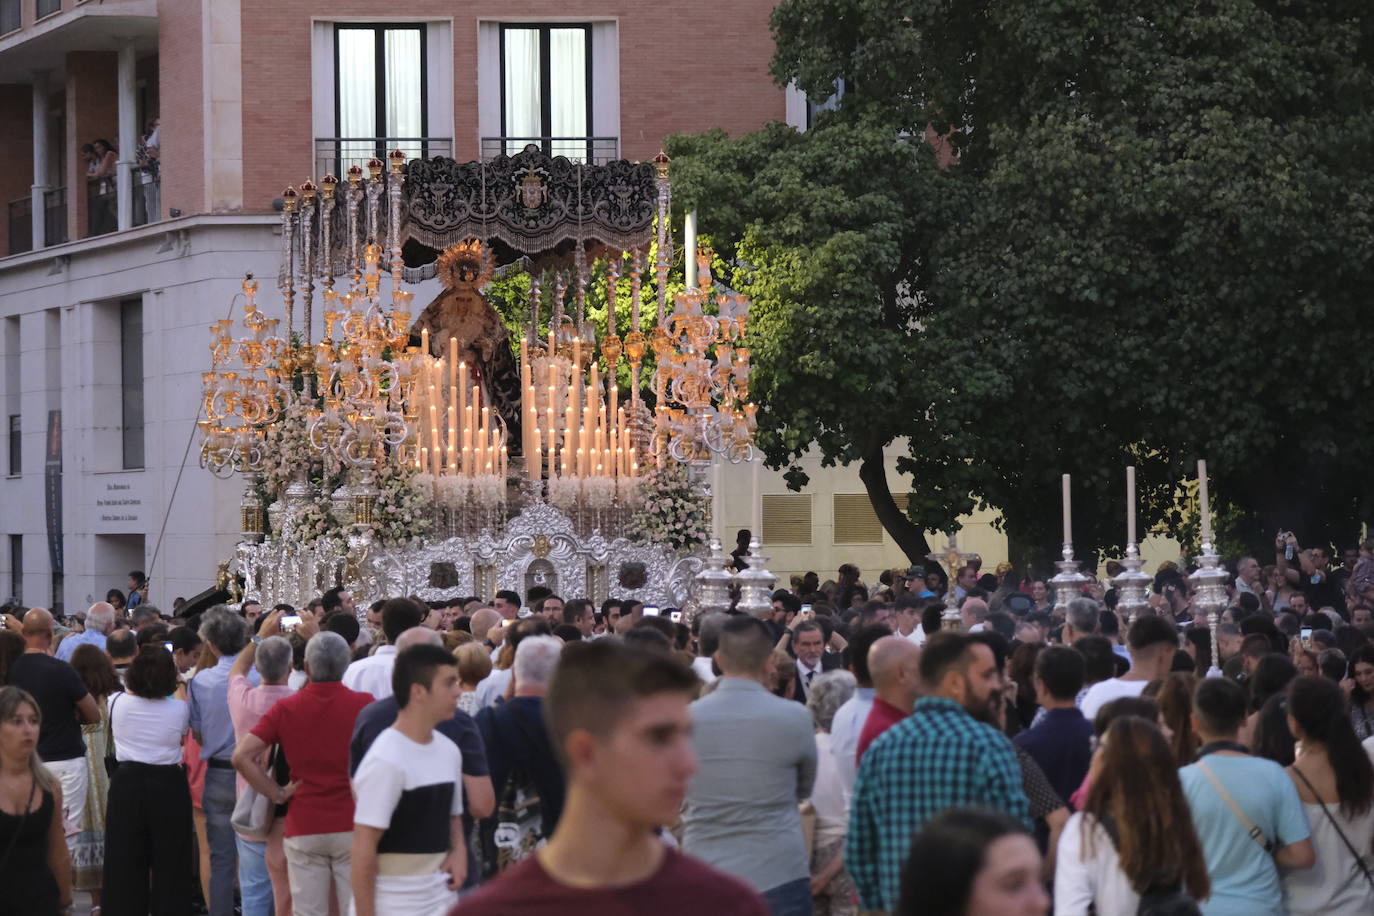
{"x": 105, "y": 159}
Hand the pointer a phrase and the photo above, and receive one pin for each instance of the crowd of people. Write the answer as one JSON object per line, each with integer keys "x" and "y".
{"x": 849, "y": 752}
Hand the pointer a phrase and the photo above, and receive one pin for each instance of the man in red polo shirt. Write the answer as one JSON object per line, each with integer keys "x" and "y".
{"x": 894, "y": 663}
{"x": 313, "y": 728}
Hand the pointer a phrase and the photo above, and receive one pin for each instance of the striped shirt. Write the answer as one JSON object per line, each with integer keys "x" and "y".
{"x": 938, "y": 757}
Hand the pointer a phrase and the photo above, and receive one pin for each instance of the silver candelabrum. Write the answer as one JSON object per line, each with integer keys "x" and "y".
{"x": 1068, "y": 582}
{"x": 1132, "y": 585}
{"x": 713, "y": 582}
{"x": 1209, "y": 592}
{"x": 755, "y": 583}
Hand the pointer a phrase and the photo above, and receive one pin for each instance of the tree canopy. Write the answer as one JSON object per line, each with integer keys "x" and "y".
{"x": 1154, "y": 245}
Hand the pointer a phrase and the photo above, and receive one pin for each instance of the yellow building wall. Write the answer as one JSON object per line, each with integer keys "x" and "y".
{"x": 735, "y": 506}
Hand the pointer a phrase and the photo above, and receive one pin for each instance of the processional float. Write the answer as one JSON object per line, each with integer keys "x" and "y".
{"x": 431, "y": 455}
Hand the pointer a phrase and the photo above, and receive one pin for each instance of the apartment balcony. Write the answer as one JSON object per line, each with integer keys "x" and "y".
{"x": 102, "y": 201}
{"x": 21, "y": 225}
{"x": 55, "y": 216}
{"x": 588, "y": 150}
{"x": 335, "y": 155}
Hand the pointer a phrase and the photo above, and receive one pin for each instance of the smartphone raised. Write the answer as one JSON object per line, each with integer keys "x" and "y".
{"x": 650, "y": 611}
{"x": 1305, "y": 636}
{"x": 675, "y": 616}
{"x": 290, "y": 622}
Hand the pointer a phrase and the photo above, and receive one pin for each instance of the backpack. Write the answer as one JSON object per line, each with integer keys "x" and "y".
{"x": 516, "y": 830}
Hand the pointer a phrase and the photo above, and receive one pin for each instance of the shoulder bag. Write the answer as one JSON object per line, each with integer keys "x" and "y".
{"x": 1256, "y": 834}
{"x": 111, "y": 761}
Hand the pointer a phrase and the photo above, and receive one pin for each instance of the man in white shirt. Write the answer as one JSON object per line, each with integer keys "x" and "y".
{"x": 373, "y": 674}
{"x": 908, "y": 616}
{"x": 973, "y": 612}
{"x": 1152, "y": 642}
{"x": 409, "y": 855}
{"x": 708, "y": 640}
{"x": 849, "y": 719}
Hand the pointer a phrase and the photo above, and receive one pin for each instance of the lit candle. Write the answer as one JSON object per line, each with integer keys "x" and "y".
{"x": 461, "y": 396}
{"x": 486, "y": 438}
{"x": 1068, "y": 513}
{"x": 452, "y": 361}
{"x": 452, "y": 424}
{"x": 424, "y": 341}
{"x": 1202, "y": 498}
{"x": 424, "y": 457}
{"x": 1130, "y": 504}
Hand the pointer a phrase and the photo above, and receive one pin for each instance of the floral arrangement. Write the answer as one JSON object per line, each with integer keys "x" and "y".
{"x": 672, "y": 509}
{"x": 401, "y": 511}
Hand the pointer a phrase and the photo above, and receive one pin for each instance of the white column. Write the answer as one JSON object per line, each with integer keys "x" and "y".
{"x": 689, "y": 249}
{"x": 42, "y": 181}
{"x": 128, "y": 136}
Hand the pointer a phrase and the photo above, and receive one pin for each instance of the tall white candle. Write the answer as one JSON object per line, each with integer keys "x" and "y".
{"x": 1202, "y": 498}
{"x": 1068, "y": 513}
{"x": 1130, "y": 504}
{"x": 757, "y": 500}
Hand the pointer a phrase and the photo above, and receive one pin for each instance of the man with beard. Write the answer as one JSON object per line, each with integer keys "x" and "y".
{"x": 944, "y": 754}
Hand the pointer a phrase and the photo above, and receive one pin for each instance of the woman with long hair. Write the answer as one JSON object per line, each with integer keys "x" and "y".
{"x": 1273, "y": 673}
{"x": 1175, "y": 699}
{"x": 147, "y": 858}
{"x": 35, "y": 870}
{"x": 1335, "y": 782}
{"x": 1360, "y": 685}
{"x": 1134, "y": 836}
{"x": 88, "y": 856}
{"x": 972, "y": 862}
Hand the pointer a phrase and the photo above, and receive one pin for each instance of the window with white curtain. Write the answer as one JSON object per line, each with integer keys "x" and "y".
{"x": 546, "y": 88}
{"x": 379, "y": 90}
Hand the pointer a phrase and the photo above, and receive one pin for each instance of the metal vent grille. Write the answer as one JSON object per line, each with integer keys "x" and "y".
{"x": 855, "y": 520}
{"x": 787, "y": 518}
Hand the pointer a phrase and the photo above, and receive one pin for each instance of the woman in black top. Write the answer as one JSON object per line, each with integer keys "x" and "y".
{"x": 35, "y": 870}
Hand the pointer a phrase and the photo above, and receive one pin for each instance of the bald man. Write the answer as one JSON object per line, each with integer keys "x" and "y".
{"x": 65, "y": 705}
{"x": 894, "y": 663}
{"x": 973, "y": 612}
{"x": 100, "y": 621}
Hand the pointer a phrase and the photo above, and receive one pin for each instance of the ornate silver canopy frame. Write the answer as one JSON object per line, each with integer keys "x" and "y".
{"x": 539, "y": 546}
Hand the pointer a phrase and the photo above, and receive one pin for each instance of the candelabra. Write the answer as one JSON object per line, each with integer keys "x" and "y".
{"x": 713, "y": 582}
{"x": 241, "y": 394}
{"x": 1132, "y": 585}
{"x": 1068, "y": 582}
{"x": 1209, "y": 591}
{"x": 954, "y": 560}
{"x": 755, "y": 583}
{"x": 703, "y": 367}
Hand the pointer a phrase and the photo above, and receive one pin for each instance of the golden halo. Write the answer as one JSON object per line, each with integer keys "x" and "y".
{"x": 470, "y": 263}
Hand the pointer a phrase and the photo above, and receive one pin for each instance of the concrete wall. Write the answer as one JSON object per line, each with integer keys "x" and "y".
{"x": 68, "y": 350}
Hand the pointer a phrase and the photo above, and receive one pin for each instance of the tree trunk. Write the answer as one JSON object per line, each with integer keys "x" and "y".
{"x": 911, "y": 539}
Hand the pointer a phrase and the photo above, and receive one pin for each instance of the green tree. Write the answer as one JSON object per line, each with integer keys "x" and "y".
{"x": 1155, "y": 245}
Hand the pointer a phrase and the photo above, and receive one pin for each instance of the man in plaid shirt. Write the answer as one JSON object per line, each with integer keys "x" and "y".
{"x": 938, "y": 757}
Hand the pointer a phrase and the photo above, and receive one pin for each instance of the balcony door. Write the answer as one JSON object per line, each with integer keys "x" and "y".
{"x": 546, "y": 88}
{"x": 379, "y": 91}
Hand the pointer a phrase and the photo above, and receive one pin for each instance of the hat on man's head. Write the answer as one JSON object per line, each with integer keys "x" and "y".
{"x": 916, "y": 572}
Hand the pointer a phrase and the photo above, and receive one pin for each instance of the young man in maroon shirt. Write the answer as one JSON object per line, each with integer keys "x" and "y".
{"x": 620, "y": 723}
